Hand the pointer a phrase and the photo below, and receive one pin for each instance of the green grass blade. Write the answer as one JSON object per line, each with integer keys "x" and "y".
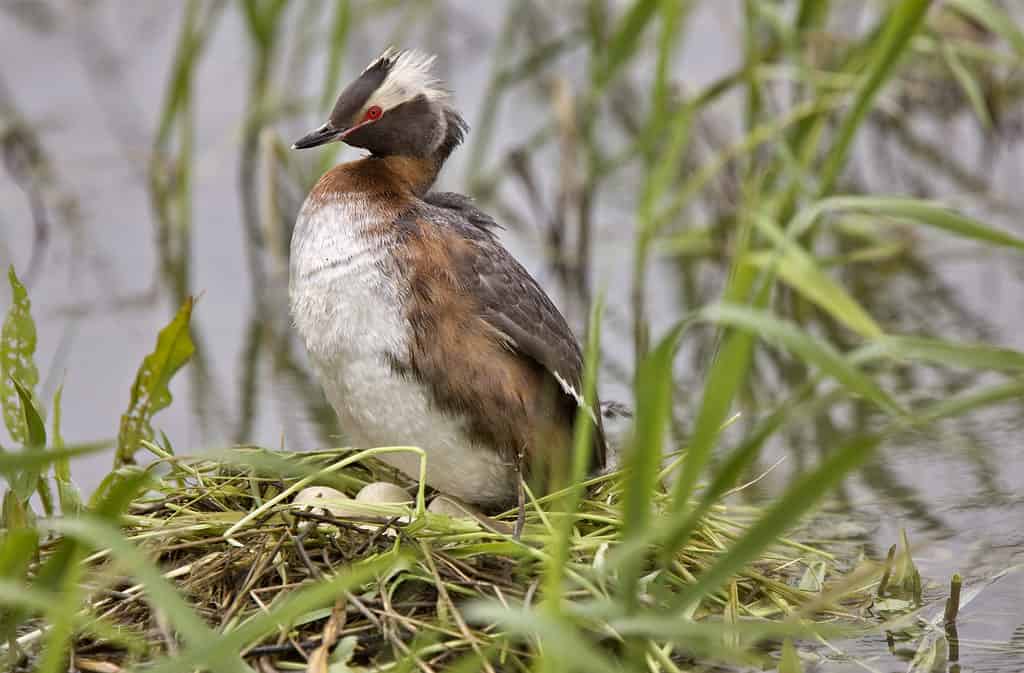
{"x": 30, "y": 481}
{"x": 95, "y": 533}
{"x": 928, "y": 213}
{"x": 112, "y": 497}
{"x": 801, "y": 271}
{"x": 68, "y": 495}
{"x": 582, "y": 451}
{"x": 62, "y": 468}
{"x": 798, "y": 499}
{"x": 812, "y": 14}
{"x": 564, "y": 648}
{"x": 811, "y": 350}
{"x": 688, "y": 630}
{"x": 13, "y": 463}
{"x": 993, "y": 17}
{"x": 195, "y": 28}
{"x": 968, "y": 356}
{"x": 108, "y": 504}
{"x": 727, "y": 475}
{"x": 18, "y": 549}
{"x": 654, "y": 390}
{"x": 723, "y": 382}
{"x": 216, "y": 652}
{"x": 969, "y": 84}
{"x": 35, "y": 437}
{"x": 624, "y": 41}
{"x": 60, "y": 617}
{"x": 901, "y": 24}
{"x": 28, "y": 599}
{"x": 789, "y": 661}
{"x": 958, "y": 406}
{"x": 727, "y": 373}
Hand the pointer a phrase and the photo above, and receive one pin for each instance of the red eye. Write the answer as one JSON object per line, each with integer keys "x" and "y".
{"x": 374, "y": 113}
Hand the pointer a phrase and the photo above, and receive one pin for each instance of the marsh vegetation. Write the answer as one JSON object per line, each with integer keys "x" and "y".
{"x": 790, "y": 233}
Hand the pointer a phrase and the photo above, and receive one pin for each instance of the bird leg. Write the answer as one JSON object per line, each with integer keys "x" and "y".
{"x": 520, "y": 497}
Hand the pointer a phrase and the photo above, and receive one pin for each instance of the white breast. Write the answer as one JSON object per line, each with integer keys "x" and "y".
{"x": 347, "y": 301}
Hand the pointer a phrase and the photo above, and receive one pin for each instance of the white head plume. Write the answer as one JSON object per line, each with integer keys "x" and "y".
{"x": 409, "y": 75}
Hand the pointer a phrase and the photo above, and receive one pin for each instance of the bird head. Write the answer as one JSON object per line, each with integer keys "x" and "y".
{"x": 395, "y": 107}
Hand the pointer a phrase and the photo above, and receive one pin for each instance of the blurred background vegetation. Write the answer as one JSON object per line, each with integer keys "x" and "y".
{"x": 824, "y": 193}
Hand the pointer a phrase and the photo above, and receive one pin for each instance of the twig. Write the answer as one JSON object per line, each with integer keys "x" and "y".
{"x": 459, "y": 621}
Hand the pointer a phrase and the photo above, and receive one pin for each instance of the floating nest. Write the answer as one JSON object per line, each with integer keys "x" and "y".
{"x": 233, "y": 543}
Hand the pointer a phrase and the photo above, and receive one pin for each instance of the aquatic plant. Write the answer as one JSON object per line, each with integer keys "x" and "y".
{"x": 771, "y": 232}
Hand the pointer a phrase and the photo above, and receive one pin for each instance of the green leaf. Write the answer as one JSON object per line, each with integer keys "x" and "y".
{"x": 929, "y": 213}
{"x": 994, "y": 18}
{"x": 957, "y": 406}
{"x": 62, "y": 468}
{"x": 13, "y": 463}
{"x": 581, "y": 459}
{"x": 900, "y": 25}
{"x": 18, "y": 548}
{"x": 28, "y": 599}
{"x": 812, "y": 14}
{"x": 150, "y": 394}
{"x": 654, "y": 391}
{"x": 564, "y": 647}
{"x": 17, "y": 350}
{"x": 33, "y": 421}
{"x": 16, "y": 515}
{"x": 922, "y": 349}
{"x": 94, "y": 533}
{"x": 906, "y": 578}
{"x": 811, "y": 350}
{"x": 67, "y": 493}
{"x": 29, "y": 481}
{"x": 117, "y": 490}
{"x": 691, "y": 632}
{"x": 624, "y": 41}
{"x": 213, "y": 652}
{"x": 108, "y": 503}
{"x": 967, "y": 81}
{"x": 342, "y": 656}
{"x": 728, "y": 372}
{"x": 789, "y": 661}
{"x": 803, "y": 493}
{"x": 801, "y": 272}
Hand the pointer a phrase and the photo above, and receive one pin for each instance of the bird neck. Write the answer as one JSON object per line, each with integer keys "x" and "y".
{"x": 417, "y": 174}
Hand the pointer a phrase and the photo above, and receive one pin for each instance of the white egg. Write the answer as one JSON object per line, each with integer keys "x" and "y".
{"x": 384, "y": 493}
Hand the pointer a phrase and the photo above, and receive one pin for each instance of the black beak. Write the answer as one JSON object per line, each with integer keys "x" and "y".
{"x": 320, "y": 136}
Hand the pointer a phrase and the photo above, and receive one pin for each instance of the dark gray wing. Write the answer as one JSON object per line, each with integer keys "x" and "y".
{"x": 515, "y": 304}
